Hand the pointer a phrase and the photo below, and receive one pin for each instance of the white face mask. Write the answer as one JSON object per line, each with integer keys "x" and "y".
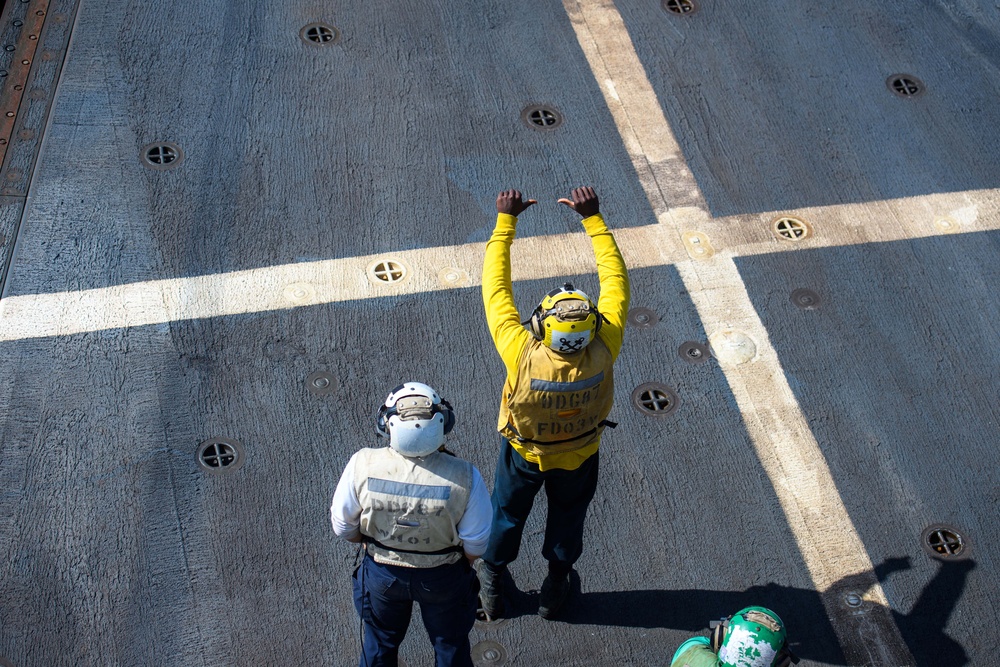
{"x": 562, "y": 338}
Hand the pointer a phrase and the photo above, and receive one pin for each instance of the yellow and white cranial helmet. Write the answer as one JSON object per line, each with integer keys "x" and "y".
{"x": 566, "y": 320}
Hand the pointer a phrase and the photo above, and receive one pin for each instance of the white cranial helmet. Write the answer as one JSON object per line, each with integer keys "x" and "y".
{"x": 415, "y": 419}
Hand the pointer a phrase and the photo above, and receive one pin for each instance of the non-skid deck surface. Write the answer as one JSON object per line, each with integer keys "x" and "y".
{"x": 146, "y": 311}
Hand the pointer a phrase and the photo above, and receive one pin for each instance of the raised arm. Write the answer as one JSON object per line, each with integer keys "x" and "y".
{"x": 615, "y": 294}
{"x": 498, "y": 294}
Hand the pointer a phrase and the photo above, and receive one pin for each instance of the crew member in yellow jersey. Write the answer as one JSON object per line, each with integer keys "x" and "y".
{"x": 555, "y": 402}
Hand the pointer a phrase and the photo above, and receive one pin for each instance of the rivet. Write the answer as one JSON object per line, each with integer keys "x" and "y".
{"x": 789, "y": 228}
{"x": 805, "y": 299}
{"x": 387, "y": 271}
{"x": 451, "y": 276}
{"x": 161, "y": 155}
{"x": 300, "y": 293}
{"x": 489, "y": 652}
{"x": 220, "y": 455}
{"x": 698, "y": 245}
{"x": 319, "y": 34}
{"x": 905, "y": 85}
{"x": 541, "y": 117}
{"x": 642, "y": 318}
{"x": 945, "y": 542}
{"x": 853, "y": 600}
{"x": 680, "y": 7}
{"x": 654, "y": 398}
{"x": 692, "y": 352}
{"x": 321, "y": 383}
{"x": 947, "y": 225}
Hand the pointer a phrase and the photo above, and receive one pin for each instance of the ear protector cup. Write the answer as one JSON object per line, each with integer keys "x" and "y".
{"x": 718, "y": 635}
{"x": 535, "y": 323}
{"x": 449, "y": 415}
{"x": 785, "y": 657}
{"x": 381, "y": 422}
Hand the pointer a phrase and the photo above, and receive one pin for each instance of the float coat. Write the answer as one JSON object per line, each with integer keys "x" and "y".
{"x": 558, "y": 402}
{"x": 412, "y": 505}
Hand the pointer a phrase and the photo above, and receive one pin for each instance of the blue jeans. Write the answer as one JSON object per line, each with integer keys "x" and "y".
{"x": 384, "y": 596}
{"x": 569, "y": 493}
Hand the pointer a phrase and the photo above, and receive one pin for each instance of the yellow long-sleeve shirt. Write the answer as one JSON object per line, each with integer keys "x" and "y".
{"x": 510, "y": 336}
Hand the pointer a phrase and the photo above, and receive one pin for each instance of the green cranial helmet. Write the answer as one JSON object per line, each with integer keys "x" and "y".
{"x": 753, "y": 637}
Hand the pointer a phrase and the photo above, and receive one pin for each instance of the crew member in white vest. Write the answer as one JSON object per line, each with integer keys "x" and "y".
{"x": 555, "y": 402}
{"x": 423, "y": 516}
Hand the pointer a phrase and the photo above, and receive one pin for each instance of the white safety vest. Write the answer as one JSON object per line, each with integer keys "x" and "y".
{"x": 412, "y": 506}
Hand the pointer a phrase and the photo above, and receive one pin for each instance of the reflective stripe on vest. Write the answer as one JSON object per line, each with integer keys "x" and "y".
{"x": 559, "y": 402}
{"x": 410, "y": 507}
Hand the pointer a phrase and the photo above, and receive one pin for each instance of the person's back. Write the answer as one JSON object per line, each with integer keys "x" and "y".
{"x": 565, "y": 405}
{"x": 555, "y": 401}
{"x": 423, "y": 516}
{"x": 411, "y": 507}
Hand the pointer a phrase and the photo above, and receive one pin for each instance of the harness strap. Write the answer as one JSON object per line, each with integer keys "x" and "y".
{"x": 603, "y": 423}
{"x": 440, "y": 552}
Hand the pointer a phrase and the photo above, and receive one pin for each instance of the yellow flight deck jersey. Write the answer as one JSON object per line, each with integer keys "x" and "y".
{"x": 519, "y": 349}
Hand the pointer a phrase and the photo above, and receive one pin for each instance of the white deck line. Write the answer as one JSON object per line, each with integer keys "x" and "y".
{"x": 330, "y": 281}
{"x": 787, "y": 449}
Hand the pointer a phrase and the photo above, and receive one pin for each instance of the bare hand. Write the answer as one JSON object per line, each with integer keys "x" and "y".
{"x": 584, "y": 202}
{"x": 509, "y": 202}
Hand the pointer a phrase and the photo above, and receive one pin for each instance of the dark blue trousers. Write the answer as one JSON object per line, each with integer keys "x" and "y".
{"x": 384, "y": 597}
{"x": 569, "y": 493}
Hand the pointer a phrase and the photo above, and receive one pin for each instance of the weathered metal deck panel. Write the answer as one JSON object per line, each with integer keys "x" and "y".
{"x": 146, "y": 311}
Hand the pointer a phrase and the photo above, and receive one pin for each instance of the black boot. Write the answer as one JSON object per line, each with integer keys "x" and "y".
{"x": 555, "y": 591}
{"x": 491, "y": 590}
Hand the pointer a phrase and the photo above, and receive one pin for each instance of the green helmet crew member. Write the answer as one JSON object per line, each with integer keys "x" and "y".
{"x": 752, "y": 637}
{"x": 423, "y": 516}
{"x": 555, "y": 402}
